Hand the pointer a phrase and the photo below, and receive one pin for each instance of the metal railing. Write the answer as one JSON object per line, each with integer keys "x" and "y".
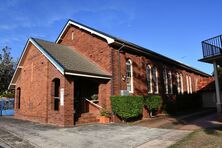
{"x": 212, "y": 47}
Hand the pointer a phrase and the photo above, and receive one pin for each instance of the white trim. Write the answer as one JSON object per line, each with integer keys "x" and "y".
{"x": 43, "y": 52}
{"x": 85, "y": 75}
{"x": 48, "y": 57}
{"x": 100, "y": 107}
{"x": 131, "y": 73}
{"x": 108, "y": 39}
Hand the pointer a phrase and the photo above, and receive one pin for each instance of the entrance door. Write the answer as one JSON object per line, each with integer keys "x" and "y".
{"x": 83, "y": 88}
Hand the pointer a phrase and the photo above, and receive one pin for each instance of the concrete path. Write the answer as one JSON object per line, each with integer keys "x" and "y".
{"x": 189, "y": 122}
{"x": 93, "y": 136}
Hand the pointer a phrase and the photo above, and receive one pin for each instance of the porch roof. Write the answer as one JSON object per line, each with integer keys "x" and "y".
{"x": 70, "y": 60}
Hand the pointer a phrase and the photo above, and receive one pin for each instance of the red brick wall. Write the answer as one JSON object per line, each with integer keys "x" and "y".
{"x": 96, "y": 50}
{"x": 139, "y": 74}
{"x": 35, "y": 82}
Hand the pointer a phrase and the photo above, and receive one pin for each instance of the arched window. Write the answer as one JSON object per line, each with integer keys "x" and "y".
{"x": 178, "y": 83}
{"x": 181, "y": 82}
{"x": 165, "y": 78}
{"x": 149, "y": 79}
{"x": 190, "y": 81}
{"x": 155, "y": 80}
{"x": 129, "y": 76}
{"x": 188, "y": 85}
{"x": 170, "y": 83}
{"x": 56, "y": 88}
{"x": 18, "y": 97}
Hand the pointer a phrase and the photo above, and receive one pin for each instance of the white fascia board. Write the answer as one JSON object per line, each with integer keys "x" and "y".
{"x": 108, "y": 39}
{"x": 60, "y": 68}
{"x": 85, "y": 75}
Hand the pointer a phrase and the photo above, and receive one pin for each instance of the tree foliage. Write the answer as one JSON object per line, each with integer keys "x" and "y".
{"x": 7, "y": 67}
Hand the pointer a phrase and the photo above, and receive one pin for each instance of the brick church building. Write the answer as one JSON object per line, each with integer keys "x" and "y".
{"x": 53, "y": 81}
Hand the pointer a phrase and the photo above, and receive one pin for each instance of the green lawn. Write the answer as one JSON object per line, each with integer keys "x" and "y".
{"x": 201, "y": 138}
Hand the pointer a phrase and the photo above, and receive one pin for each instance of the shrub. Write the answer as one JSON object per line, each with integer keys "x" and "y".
{"x": 105, "y": 113}
{"x": 127, "y": 107}
{"x": 7, "y": 95}
{"x": 152, "y": 102}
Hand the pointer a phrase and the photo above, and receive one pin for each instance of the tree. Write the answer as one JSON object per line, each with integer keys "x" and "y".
{"x": 7, "y": 67}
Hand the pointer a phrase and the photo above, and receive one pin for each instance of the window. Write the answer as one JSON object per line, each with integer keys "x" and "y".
{"x": 56, "y": 84}
{"x": 196, "y": 84}
{"x": 129, "y": 76}
{"x": 190, "y": 81}
{"x": 165, "y": 78}
{"x": 155, "y": 80}
{"x": 170, "y": 84}
{"x": 181, "y": 82}
{"x": 18, "y": 96}
{"x": 149, "y": 78}
{"x": 178, "y": 83}
{"x": 188, "y": 85}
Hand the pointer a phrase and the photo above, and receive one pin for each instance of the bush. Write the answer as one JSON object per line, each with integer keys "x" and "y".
{"x": 127, "y": 107}
{"x": 105, "y": 113}
{"x": 7, "y": 95}
{"x": 152, "y": 102}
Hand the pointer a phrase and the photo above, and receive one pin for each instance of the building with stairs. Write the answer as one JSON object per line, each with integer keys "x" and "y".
{"x": 212, "y": 53}
{"x": 55, "y": 82}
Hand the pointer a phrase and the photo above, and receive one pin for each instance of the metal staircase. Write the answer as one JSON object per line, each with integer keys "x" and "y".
{"x": 212, "y": 47}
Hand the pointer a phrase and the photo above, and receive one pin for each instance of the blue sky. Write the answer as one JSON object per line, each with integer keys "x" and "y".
{"x": 174, "y": 28}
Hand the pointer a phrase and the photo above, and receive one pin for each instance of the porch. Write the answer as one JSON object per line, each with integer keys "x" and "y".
{"x": 89, "y": 96}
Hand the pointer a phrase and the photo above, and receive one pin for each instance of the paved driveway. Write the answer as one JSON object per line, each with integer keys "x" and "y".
{"x": 28, "y": 134}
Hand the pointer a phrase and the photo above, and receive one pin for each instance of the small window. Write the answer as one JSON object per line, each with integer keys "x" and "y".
{"x": 56, "y": 85}
{"x": 129, "y": 76}
{"x": 149, "y": 78}
{"x": 18, "y": 96}
{"x": 155, "y": 80}
{"x": 165, "y": 78}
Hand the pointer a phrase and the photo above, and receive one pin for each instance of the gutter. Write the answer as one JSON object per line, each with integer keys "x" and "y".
{"x": 119, "y": 67}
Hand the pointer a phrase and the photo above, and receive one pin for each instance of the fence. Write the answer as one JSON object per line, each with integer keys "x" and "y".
{"x": 7, "y": 106}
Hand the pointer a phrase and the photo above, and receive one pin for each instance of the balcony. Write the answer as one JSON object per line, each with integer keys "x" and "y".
{"x": 212, "y": 49}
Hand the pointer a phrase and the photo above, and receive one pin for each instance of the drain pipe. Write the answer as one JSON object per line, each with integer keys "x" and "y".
{"x": 119, "y": 68}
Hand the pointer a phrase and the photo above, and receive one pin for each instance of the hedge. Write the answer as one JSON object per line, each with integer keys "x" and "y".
{"x": 127, "y": 107}
{"x": 152, "y": 102}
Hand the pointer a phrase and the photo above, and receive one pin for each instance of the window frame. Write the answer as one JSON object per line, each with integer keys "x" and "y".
{"x": 155, "y": 79}
{"x": 129, "y": 63}
{"x": 165, "y": 79}
{"x": 56, "y": 94}
{"x": 149, "y": 76}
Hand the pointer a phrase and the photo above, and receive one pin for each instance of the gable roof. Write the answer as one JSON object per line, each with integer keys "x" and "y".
{"x": 65, "y": 59}
{"x": 71, "y": 60}
{"x": 114, "y": 40}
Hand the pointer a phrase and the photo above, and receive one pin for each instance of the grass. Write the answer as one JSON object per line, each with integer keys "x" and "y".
{"x": 201, "y": 138}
